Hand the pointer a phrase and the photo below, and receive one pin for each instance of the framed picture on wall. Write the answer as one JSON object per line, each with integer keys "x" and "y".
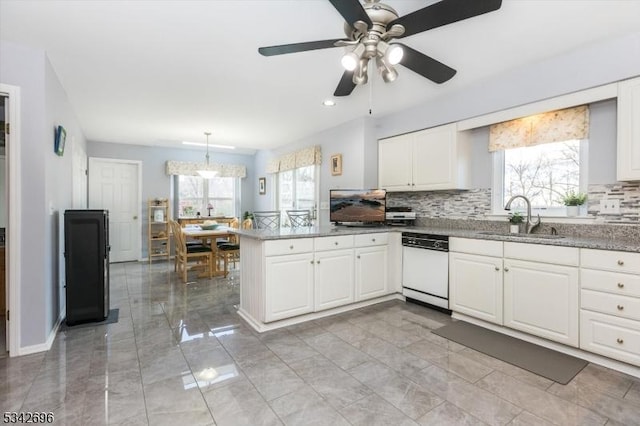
{"x": 336, "y": 165}
{"x": 262, "y": 186}
{"x": 60, "y": 138}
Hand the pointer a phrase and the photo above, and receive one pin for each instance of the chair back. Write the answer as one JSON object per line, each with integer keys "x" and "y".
{"x": 247, "y": 224}
{"x": 267, "y": 219}
{"x": 299, "y": 218}
{"x": 178, "y": 236}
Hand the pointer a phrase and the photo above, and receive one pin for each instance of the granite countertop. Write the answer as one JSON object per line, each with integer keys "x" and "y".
{"x": 325, "y": 231}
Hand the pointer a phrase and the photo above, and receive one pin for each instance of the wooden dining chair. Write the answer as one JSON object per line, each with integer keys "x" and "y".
{"x": 201, "y": 254}
{"x": 230, "y": 251}
{"x": 269, "y": 219}
{"x": 299, "y": 218}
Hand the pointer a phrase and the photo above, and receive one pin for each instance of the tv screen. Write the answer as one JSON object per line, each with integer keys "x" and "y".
{"x": 357, "y": 205}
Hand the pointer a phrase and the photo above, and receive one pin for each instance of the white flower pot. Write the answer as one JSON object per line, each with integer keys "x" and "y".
{"x": 514, "y": 229}
{"x": 573, "y": 211}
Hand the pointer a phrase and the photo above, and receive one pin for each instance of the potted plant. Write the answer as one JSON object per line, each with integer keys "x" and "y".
{"x": 515, "y": 219}
{"x": 573, "y": 201}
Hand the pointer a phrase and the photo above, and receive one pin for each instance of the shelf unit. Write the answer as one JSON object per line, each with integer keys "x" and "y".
{"x": 158, "y": 232}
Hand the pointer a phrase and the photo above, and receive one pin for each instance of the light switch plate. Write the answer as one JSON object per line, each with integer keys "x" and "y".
{"x": 611, "y": 206}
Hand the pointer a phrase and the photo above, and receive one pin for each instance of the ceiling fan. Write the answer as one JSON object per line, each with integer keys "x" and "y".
{"x": 371, "y": 27}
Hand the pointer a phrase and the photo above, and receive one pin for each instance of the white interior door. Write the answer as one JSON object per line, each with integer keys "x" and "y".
{"x": 114, "y": 185}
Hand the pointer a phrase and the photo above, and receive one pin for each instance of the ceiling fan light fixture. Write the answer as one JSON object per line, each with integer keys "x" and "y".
{"x": 394, "y": 54}
{"x": 386, "y": 70}
{"x": 360, "y": 74}
{"x": 350, "y": 59}
{"x": 207, "y": 172}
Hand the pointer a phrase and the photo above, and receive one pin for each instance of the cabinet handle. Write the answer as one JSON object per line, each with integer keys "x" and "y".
{"x": 312, "y": 262}
{"x": 336, "y": 243}
{"x": 408, "y": 184}
{"x": 497, "y": 269}
{"x": 413, "y": 184}
{"x": 620, "y": 262}
{"x": 358, "y": 256}
{"x": 620, "y": 285}
{"x": 373, "y": 239}
{"x": 290, "y": 247}
{"x": 506, "y": 269}
{"x": 318, "y": 262}
{"x": 620, "y": 308}
{"x": 619, "y": 340}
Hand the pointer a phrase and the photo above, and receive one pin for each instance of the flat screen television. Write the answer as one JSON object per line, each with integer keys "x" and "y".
{"x": 357, "y": 206}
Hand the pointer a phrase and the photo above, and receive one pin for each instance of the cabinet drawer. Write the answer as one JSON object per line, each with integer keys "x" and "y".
{"x": 617, "y": 261}
{"x": 290, "y": 246}
{"x": 611, "y": 282}
{"x": 471, "y": 246}
{"x": 612, "y": 304}
{"x": 617, "y": 338}
{"x": 542, "y": 253}
{"x": 332, "y": 243}
{"x": 377, "y": 239}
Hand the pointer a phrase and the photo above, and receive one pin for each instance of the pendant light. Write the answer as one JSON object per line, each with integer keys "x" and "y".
{"x": 207, "y": 173}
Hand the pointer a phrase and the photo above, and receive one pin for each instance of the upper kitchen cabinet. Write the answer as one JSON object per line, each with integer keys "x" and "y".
{"x": 431, "y": 159}
{"x": 629, "y": 130}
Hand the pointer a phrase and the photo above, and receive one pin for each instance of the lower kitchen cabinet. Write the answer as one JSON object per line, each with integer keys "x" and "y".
{"x": 475, "y": 286}
{"x": 542, "y": 299}
{"x": 289, "y": 285}
{"x": 371, "y": 272}
{"x": 333, "y": 279}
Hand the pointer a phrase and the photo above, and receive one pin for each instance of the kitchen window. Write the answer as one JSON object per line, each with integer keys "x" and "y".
{"x": 542, "y": 157}
{"x": 297, "y": 189}
{"x": 196, "y": 194}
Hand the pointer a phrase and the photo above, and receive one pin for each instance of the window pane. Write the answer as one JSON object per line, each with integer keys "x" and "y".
{"x": 542, "y": 173}
{"x": 285, "y": 190}
{"x": 305, "y": 188}
{"x": 190, "y": 195}
{"x": 221, "y": 196}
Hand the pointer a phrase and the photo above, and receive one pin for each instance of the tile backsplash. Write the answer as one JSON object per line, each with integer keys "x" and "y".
{"x": 471, "y": 209}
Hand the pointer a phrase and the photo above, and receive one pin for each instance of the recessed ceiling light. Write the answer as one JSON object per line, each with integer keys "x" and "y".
{"x": 329, "y": 103}
{"x": 211, "y": 145}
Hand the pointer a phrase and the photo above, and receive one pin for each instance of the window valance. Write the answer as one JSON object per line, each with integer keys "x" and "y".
{"x": 305, "y": 157}
{"x": 186, "y": 168}
{"x": 555, "y": 126}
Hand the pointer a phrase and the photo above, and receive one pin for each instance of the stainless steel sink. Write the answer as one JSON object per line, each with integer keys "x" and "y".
{"x": 508, "y": 234}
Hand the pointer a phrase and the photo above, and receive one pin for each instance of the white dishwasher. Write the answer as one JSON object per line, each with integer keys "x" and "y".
{"x": 425, "y": 269}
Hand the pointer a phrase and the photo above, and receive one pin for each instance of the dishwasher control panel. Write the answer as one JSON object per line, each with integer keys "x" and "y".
{"x": 425, "y": 241}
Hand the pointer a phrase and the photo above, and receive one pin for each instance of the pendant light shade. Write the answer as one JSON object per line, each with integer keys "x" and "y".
{"x": 207, "y": 172}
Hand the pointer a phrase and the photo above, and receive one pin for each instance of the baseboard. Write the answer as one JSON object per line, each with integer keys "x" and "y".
{"x": 42, "y": 347}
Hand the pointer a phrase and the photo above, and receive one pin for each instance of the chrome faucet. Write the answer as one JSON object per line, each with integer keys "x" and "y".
{"x": 530, "y": 226}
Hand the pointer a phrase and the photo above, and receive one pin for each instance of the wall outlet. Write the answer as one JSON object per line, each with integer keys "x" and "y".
{"x": 611, "y": 206}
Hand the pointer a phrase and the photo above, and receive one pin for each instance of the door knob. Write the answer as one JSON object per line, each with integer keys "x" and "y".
{"x": 497, "y": 269}
{"x": 620, "y": 262}
{"x": 620, "y": 285}
{"x": 506, "y": 269}
{"x": 620, "y": 308}
{"x": 620, "y": 341}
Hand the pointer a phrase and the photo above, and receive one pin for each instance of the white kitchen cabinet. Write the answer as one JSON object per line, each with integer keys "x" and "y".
{"x": 333, "y": 279}
{"x": 610, "y": 304}
{"x": 542, "y": 299}
{"x": 629, "y": 130}
{"x": 475, "y": 286}
{"x": 431, "y": 159}
{"x": 372, "y": 279}
{"x": 288, "y": 285}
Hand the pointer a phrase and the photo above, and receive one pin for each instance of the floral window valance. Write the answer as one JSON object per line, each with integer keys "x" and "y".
{"x": 555, "y": 126}
{"x": 305, "y": 157}
{"x": 186, "y": 168}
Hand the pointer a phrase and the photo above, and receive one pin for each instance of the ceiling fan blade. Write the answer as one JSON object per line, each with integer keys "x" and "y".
{"x": 425, "y": 66}
{"x": 346, "y": 85}
{"x": 352, "y": 11}
{"x": 298, "y": 47}
{"x": 443, "y": 13}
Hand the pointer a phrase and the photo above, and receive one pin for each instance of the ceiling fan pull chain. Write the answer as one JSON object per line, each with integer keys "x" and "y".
{"x": 370, "y": 97}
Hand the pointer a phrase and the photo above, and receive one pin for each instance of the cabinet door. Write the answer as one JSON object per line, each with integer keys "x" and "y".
{"x": 394, "y": 163}
{"x": 542, "y": 299}
{"x": 629, "y": 130}
{"x": 475, "y": 286}
{"x": 435, "y": 158}
{"x": 288, "y": 286}
{"x": 333, "y": 279}
{"x": 371, "y": 272}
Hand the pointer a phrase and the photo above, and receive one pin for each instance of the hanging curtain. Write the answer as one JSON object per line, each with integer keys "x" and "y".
{"x": 186, "y": 168}
{"x": 555, "y": 126}
{"x": 309, "y": 156}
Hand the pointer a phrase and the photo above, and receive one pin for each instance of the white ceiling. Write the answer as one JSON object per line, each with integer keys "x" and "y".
{"x": 160, "y": 72}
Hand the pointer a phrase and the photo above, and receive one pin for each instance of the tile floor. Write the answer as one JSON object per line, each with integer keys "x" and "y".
{"x": 180, "y": 355}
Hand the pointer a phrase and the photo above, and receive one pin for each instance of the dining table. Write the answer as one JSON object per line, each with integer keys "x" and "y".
{"x": 209, "y": 236}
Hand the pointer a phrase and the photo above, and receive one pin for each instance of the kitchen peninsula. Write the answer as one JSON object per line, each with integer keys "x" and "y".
{"x": 292, "y": 275}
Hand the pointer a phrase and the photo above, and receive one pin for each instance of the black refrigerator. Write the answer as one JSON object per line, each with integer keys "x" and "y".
{"x": 86, "y": 253}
